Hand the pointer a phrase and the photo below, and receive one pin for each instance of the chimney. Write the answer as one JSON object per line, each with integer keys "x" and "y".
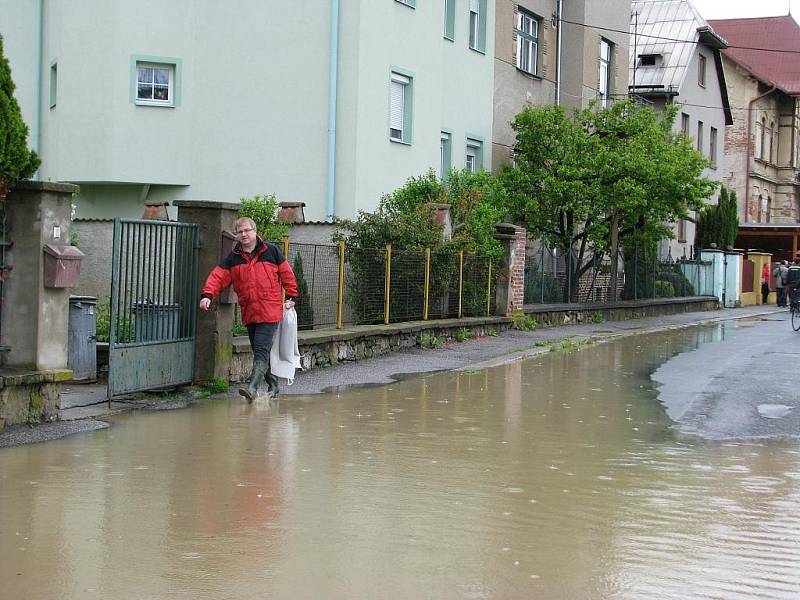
{"x": 292, "y": 213}
{"x": 443, "y": 217}
{"x": 155, "y": 211}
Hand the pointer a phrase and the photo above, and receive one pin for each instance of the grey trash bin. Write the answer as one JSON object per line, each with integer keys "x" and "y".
{"x": 82, "y": 338}
{"x": 156, "y": 321}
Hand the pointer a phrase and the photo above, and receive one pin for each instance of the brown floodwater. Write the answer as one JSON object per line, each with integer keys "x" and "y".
{"x": 559, "y": 477}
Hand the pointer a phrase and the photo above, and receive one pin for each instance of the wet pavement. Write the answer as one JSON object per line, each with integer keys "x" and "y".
{"x": 556, "y": 476}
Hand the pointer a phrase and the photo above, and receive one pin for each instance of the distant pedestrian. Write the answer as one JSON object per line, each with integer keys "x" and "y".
{"x": 258, "y": 272}
{"x": 765, "y": 283}
{"x": 792, "y": 281}
{"x": 779, "y": 274}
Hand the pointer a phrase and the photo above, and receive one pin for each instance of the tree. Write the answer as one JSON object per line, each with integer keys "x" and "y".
{"x": 263, "y": 209}
{"x": 586, "y": 181}
{"x": 16, "y": 160}
{"x": 305, "y": 307}
{"x": 717, "y": 224}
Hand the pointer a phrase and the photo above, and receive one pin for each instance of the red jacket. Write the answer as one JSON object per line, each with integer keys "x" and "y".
{"x": 257, "y": 279}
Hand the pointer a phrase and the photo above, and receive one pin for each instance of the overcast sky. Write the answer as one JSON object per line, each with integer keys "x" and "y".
{"x": 735, "y": 9}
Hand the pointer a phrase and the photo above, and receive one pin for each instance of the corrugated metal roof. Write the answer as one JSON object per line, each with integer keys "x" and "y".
{"x": 779, "y": 33}
{"x": 658, "y": 30}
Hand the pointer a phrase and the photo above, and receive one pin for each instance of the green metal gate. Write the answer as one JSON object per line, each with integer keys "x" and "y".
{"x": 153, "y": 305}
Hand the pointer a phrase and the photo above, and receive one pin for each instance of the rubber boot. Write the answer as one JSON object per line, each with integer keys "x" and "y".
{"x": 272, "y": 384}
{"x": 250, "y": 391}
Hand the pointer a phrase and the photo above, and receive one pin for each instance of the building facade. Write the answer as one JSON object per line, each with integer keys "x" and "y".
{"x": 593, "y": 59}
{"x": 326, "y": 102}
{"x": 762, "y": 159}
{"x": 675, "y": 58}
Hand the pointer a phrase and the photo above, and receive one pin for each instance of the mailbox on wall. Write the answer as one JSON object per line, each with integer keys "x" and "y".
{"x": 62, "y": 265}
{"x": 227, "y": 296}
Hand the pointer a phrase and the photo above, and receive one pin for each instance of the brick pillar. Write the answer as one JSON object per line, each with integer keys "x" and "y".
{"x": 35, "y": 317}
{"x": 214, "y": 350}
{"x": 510, "y": 288}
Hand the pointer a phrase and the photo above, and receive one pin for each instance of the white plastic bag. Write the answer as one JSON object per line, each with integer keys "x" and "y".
{"x": 284, "y": 357}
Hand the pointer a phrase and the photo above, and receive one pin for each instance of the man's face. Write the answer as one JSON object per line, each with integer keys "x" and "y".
{"x": 246, "y": 234}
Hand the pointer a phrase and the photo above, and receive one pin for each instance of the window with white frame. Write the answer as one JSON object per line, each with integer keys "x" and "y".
{"x": 712, "y": 146}
{"x": 445, "y": 154}
{"x": 605, "y": 72}
{"x": 685, "y": 123}
{"x": 155, "y": 83}
{"x": 699, "y": 139}
{"x": 474, "y": 23}
{"x": 474, "y": 158}
{"x": 449, "y": 19}
{"x": 527, "y": 42}
{"x": 400, "y": 108}
{"x": 701, "y": 70}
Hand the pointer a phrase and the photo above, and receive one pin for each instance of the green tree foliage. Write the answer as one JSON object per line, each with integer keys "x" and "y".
{"x": 305, "y": 307}
{"x": 406, "y": 220}
{"x": 16, "y": 160}
{"x": 717, "y": 224}
{"x": 263, "y": 209}
{"x": 586, "y": 181}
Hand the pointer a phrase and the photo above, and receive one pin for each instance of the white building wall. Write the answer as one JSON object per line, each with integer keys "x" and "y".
{"x": 252, "y": 115}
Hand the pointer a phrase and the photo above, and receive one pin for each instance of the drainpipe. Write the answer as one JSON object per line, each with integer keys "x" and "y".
{"x": 334, "y": 67}
{"x": 558, "y": 59}
{"x": 36, "y": 138}
{"x": 747, "y": 153}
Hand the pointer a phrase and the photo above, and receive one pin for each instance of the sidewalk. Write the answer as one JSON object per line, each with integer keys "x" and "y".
{"x": 472, "y": 354}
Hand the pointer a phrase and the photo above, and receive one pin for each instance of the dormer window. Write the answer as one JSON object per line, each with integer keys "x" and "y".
{"x": 650, "y": 60}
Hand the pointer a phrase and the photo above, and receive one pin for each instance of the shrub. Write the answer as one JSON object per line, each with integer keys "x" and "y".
{"x": 16, "y": 160}
{"x": 263, "y": 209}
{"x": 522, "y": 322}
{"x": 598, "y": 318}
{"x": 664, "y": 289}
{"x": 463, "y": 334}
{"x": 428, "y": 340}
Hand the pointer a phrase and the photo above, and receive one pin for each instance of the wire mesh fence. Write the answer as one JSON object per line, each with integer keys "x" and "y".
{"x": 551, "y": 278}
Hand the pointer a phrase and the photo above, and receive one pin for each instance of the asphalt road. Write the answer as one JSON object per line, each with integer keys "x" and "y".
{"x": 745, "y": 386}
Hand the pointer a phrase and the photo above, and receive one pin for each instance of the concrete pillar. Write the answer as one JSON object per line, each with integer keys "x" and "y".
{"x": 214, "y": 350}
{"x": 510, "y": 290}
{"x": 35, "y": 318}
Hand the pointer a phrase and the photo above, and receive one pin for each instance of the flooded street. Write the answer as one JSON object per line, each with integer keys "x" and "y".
{"x": 559, "y": 477}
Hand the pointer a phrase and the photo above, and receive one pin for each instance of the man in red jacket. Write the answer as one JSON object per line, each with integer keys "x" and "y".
{"x": 258, "y": 272}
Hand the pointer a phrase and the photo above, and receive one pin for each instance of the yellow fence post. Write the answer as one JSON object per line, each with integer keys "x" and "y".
{"x": 286, "y": 256}
{"x": 340, "y": 292}
{"x": 387, "y": 287}
{"x": 489, "y": 290}
{"x": 460, "y": 279}
{"x": 427, "y": 281}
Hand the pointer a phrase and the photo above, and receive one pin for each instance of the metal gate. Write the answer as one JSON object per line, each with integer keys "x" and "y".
{"x": 153, "y": 305}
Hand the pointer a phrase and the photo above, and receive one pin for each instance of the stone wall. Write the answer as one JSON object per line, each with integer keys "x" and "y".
{"x": 30, "y": 397}
{"x": 336, "y": 346}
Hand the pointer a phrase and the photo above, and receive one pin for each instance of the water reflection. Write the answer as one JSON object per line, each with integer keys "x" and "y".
{"x": 558, "y": 477}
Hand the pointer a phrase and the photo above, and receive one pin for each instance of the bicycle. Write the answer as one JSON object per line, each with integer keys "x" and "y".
{"x": 794, "y": 309}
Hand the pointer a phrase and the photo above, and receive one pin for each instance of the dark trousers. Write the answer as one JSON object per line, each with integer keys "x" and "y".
{"x": 764, "y": 292}
{"x": 781, "y": 296}
{"x": 261, "y": 335}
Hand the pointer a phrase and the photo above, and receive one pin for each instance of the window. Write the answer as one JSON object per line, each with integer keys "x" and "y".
{"x": 445, "y": 154}
{"x": 712, "y": 146}
{"x": 604, "y": 87}
{"x": 411, "y": 3}
{"x": 701, "y": 70}
{"x": 681, "y": 230}
{"x": 771, "y": 138}
{"x": 685, "y": 123}
{"x": 155, "y": 81}
{"x": 761, "y": 133}
{"x": 649, "y": 60}
{"x": 474, "y": 161}
{"x": 449, "y": 19}
{"x": 758, "y": 142}
{"x": 53, "y": 84}
{"x": 700, "y": 136}
{"x": 477, "y": 25}
{"x": 400, "y": 104}
{"x": 527, "y": 42}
